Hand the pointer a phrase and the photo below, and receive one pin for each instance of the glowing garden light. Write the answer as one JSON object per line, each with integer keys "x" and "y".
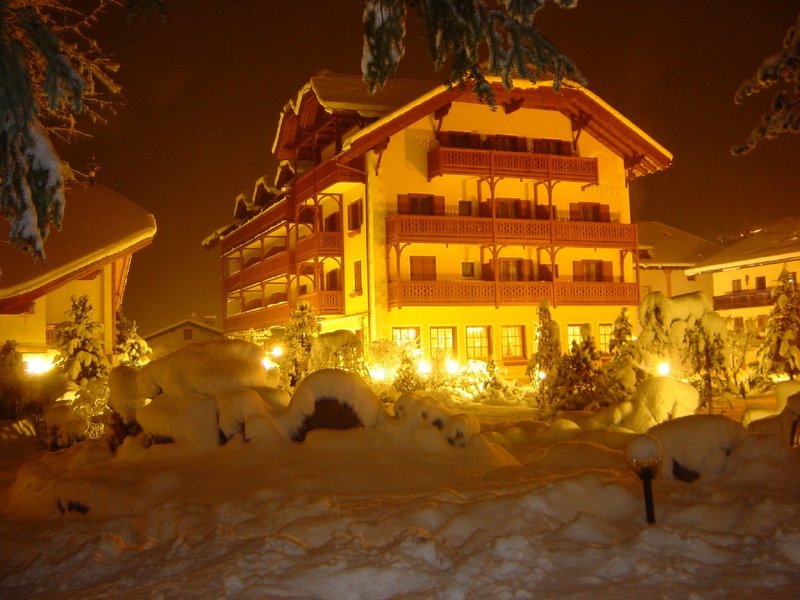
{"x": 36, "y": 364}
{"x": 424, "y": 367}
{"x": 663, "y": 368}
{"x": 452, "y": 366}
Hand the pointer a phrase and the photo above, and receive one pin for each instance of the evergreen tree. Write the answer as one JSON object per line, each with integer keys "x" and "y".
{"x": 548, "y": 345}
{"x": 780, "y": 352}
{"x": 50, "y": 71}
{"x": 131, "y": 348}
{"x": 408, "y": 378}
{"x": 783, "y": 69}
{"x": 576, "y": 381}
{"x": 621, "y": 333}
{"x": 503, "y": 34}
{"x": 296, "y": 343}
{"x": 704, "y": 349}
{"x": 80, "y": 352}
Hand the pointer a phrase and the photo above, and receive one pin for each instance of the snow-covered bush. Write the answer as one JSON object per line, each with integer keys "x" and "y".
{"x": 130, "y": 348}
{"x": 64, "y": 427}
{"x": 548, "y": 345}
{"x": 576, "y": 381}
{"x": 80, "y": 351}
{"x": 779, "y": 354}
{"x": 417, "y": 407}
{"x": 296, "y": 341}
{"x": 189, "y": 419}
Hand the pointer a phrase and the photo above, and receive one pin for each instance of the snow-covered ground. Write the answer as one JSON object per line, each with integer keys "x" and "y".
{"x": 524, "y": 510}
{"x": 415, "y": 504}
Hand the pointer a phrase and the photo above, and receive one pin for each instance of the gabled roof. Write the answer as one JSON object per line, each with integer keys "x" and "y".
{"x": 181, "y": 325}
{"x": 99, "y": 227}
{"x": 333, "y": 101}
{"x": 776, "y": 243}
{"x": 662, "y": 246}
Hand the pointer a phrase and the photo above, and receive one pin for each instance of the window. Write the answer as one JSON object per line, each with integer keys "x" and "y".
{"x": 592, "y": 270}
{"x": 357, "y": 286}
{"x": 512, "y": 341}
{"x": 478, "y": 342}
{"x": 406, "y": 335}
{"x": 355, "y": 215}
{"x": 573, "y": 335}
{"x": 333, "y": 280}
{"x": 761, "y": 282}
{"x": 188, "y": 334}
{"x": 589, "y": 211}
{"x": 691, "y": 278}
{"x": 443, "y": 342}
{"x": 604, "y": 333}
{"x": 468, "y": 269}
{"x": 464, "y": 208}
{"x": 332, "y": 222}
{"x": 513, "y": 208}
{"x": 736, "y": 286}
{"x": 423, "y": 268}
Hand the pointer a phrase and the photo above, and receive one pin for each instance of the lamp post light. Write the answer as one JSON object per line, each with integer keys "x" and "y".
{"x": 644, "y": 458}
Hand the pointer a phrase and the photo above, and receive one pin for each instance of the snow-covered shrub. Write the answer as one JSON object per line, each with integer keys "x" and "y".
{"x": 332, "y": 398}
{"x": 779, "y": 354}
{"x": 235, "y": 406}
{"x": 130, "y": 348}
{"x": 124, "y": 396}
{"x": 188, "y": 419}
{"x": 697, "y": 445}
{"x": 204, "y": 368}
{"x": 548, "y": 345}
{"x": 296, "y": 341}
{"x": 785, "y": 425}
{"x": 64, "y": 427}
{"x": 417, "y": 408}
{"x": 80, "y": 351}
{"x": 408, "y": 378}
{"x": 330, "y": 350}
{"x": 576, "y": 381}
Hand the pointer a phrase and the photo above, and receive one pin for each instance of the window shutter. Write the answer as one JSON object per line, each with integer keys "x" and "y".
{"x": 438, "y": 205}
{"x": 487, "y": 271}
{"x": 524, "y": 209}
{"x": 604, "y": 212}
{"x": 485, "y": 209}
{"x": 527, "y": 269}
{"x": 578, "y": 273}
{"x": 608, "y": 271}
{"x": 522, "y": 144}
{"x": 545, "y": 273}
{"x": 475, "y": 140}
{"x": 402, "y": 204}
{"x": 574, "y": 211}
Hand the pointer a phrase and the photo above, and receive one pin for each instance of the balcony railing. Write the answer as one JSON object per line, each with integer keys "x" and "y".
{"x": 273, "y": 266}
{"x": 484, "y": 230}
{"x": 258, "y": 318}
{"x": 325, "y": 302}
{"x": 504, "y": 293}
{"x": 325, "y": 175}
{"x": 753, "y": 298}
{"x": 321, "y": 243}
{"x": 279, "y": 212}
{"x": 526, "y": 165}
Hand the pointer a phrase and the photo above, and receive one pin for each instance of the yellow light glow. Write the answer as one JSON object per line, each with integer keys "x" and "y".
{"x": 377, "y": 373}
{"x": 277, "y": 351}
{"x": 423, "y": 367}
{"x": 663, "y": 368}
{"x": 452, "y": 366}
{"x": 268, "y": 363}
{"x": 36, "y": 364}
{"x": 541, "y": 375}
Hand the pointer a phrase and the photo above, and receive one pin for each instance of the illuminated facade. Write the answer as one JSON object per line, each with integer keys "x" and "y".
{"x": 419, "y": 213}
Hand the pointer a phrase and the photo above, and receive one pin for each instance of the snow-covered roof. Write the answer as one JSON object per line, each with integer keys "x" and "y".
{"x": 776, "y": 243}
{"x": 662, "y": 246}
{"x": 99, "y": 227}
{"x": 190, "y": 322}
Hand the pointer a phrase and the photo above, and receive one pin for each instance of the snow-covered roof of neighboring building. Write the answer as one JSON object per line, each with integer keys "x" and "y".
{"x": 99, "y": 227}
{"x": 776, "y": 243}
{"x": 182, "y": 325}
{"x": 662, "y": 246}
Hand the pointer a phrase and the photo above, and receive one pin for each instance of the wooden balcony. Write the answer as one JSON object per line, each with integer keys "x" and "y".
{"x": 509, "y": 293}
{"x": 523, "y": 165}
{"x": 272, "y": 266}
{"x": 325, "y": 302}
{"x": 749, "y": 299}
{"x": 484, "y": 230}
{"x": 326, "y": 174}
{"x": 279, "y": 212}
{"x": 321, "y": 243}
{"x": 258, "y": 318}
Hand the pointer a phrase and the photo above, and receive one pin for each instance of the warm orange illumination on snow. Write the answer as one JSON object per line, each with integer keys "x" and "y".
{"x": 36, "y": 364}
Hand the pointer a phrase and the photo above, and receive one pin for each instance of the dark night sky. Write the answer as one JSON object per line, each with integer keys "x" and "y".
{"x": 203, "y": 92}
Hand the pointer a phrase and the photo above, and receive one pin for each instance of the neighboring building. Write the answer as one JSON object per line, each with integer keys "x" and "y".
{"x": 91, "y": 254}
{"x": 664, "y": 255}
{"x": 182, "y": 333}
{"x": 418, "y": 212}
{"x": 745, "y": 272}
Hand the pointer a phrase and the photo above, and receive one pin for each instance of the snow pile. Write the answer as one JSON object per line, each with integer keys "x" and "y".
{"x": 417, "y": 407}
{"x": 64, "y": 427}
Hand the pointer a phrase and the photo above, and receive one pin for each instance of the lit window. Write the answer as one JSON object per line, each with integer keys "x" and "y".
{"x": 477, "y": 340}
{"x": 443, "y": 342}
{"x": 573, "y": 335}
{"x": 512, "y": 339}
{"x": 604, "y": 331}
{"x": 406, "y": 335}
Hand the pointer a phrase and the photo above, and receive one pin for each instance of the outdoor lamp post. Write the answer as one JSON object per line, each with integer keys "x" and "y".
{"x": 644, "y": 458}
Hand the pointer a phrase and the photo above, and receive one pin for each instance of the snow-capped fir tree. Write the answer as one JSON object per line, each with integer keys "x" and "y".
{"x": 779, "y": 354}
{"x": 782, "y": 69}
{"x": 621, "y": 333}
{"x": 408, "y": 378}
{"x": 576, "y": 380}
{"x": 548, "y": 345}
{"x": 80, "y": 351}
{"x": 475, "y": 38}
{"x": 705, "y": 346}
{"x": 130, "y": 348}
{"x": 51, "y": 70}
{"x": 741, "y": 345}
{"x": 298, "y": 336}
